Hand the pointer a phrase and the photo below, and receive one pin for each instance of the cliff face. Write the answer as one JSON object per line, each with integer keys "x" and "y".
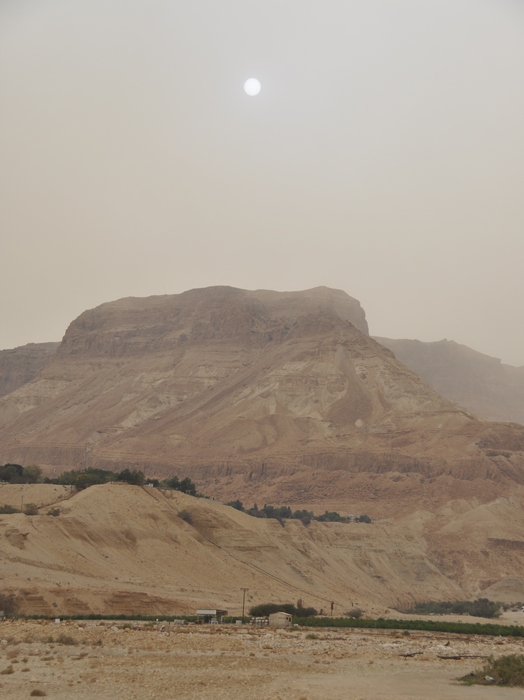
{"x": 253, "y": 394}
{"x": 20, "y": 365}
{"x": 480, "y": 383}
{"x": 251, "y": 320}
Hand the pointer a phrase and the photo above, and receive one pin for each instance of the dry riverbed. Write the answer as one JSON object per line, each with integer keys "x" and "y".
{"x": 109, "y": 661}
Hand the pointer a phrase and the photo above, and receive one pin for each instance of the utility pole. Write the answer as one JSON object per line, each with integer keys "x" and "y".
{"x": 243, "y": 601}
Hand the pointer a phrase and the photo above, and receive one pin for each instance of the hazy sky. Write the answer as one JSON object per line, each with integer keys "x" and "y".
{"x": 383, "y": 156}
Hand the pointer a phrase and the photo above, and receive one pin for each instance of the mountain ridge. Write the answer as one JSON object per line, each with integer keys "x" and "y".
{"x": 482, "y": 384}
{"x": 243, "y": 390}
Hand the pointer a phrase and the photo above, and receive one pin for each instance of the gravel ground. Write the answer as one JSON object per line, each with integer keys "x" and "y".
{"x": 69, "y": 661}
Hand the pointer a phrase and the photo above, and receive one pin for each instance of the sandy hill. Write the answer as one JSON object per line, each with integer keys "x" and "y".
{"x": 266, "y": 396}
{"x": 124, "y": 549}
{"x": 21, "y": 365}
{"x": 480, "y": 383}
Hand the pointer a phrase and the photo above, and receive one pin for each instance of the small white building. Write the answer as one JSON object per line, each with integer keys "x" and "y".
{"x": 280, "y": 619}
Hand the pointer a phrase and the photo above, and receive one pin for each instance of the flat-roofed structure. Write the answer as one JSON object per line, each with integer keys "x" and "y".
{"x": 211, "y": 615}
{"x": 280, "y": 619}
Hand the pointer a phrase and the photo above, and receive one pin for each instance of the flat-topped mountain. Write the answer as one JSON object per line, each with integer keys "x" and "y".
{"x": 255, "y": 395}
{"x": 480, "y": 383}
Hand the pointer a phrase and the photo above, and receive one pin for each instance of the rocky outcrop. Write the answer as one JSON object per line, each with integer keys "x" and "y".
{"x": 480, "y": 383}
{"x": 21, "y": 365}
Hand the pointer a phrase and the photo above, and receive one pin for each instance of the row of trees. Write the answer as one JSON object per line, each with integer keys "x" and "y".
{"x": 298, "y": 610}
{"x": 83, "y": 478}
{"x": 482, "y": 607}
{"x": 285, "y": 513}
{"x": 17, "y": 474}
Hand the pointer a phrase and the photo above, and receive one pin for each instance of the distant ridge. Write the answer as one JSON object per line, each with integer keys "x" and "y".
{"x": 20, "y": 365}
{"x": 480, "y": 383}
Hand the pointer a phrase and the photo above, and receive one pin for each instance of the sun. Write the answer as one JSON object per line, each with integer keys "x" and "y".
{"x": 252, "y": 87}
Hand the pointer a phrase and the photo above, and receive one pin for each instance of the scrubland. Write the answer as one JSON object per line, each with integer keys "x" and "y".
{"x": 104, "y": 660}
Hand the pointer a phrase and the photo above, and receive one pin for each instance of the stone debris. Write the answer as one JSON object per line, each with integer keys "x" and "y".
{"x": 96, "y": 660}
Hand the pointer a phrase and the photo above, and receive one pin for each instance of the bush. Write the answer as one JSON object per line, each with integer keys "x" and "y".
{"x": 135, "y": 477}
{"x": 186, "y": 516}
{"x": 506, "y": 670}
{"x": 32, "y": 474}
{"x": 31, "y": 509}
{"x": 83, "y": 479}
{"x": 185, "y": 486}
{"x": 17, "y": 474}
{"x": 354, "y": 613}
{"x": 237, "y": 505}
{"x": 8, "y": 603}
{"x": 427, "y": 625}
{"x": 12, "y": 473}
{"x": 482, "y": 607}
{"x": 8, "y": 510}
{"x": 282, "y": 513}
{"x": 331, "y": 517}
{"x": 266, "y": 609}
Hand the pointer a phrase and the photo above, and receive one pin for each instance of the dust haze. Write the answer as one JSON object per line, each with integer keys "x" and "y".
{"x": 384, "y": 156}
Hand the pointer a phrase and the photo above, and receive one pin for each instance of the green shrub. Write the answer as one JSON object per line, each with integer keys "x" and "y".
{"x": 364, "y": 519}
{"x": 8, "y": 603}
{"x": 506, "y": 670}
{"x": 482, "y": 607}
{"x": 31, "y": 509}
{"x": 186, "y": 516}
{"x": 12, "y": 473}
{"x": 266, "y": 609}
{"x": 428, "y": 625}
{"x": 331, "y": 517}
{"x": 32, "y": 474}
{"x": 135, "y": 477}
{"x": 185, "y": 486}
{"x": 237, "y": 505}
{"x": 355, "y": 613}
{"x": 83, "y": 479}
{"x": 8, "y": 510}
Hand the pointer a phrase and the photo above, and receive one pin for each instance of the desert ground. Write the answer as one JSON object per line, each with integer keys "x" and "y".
{"x": 70, "y": 660}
